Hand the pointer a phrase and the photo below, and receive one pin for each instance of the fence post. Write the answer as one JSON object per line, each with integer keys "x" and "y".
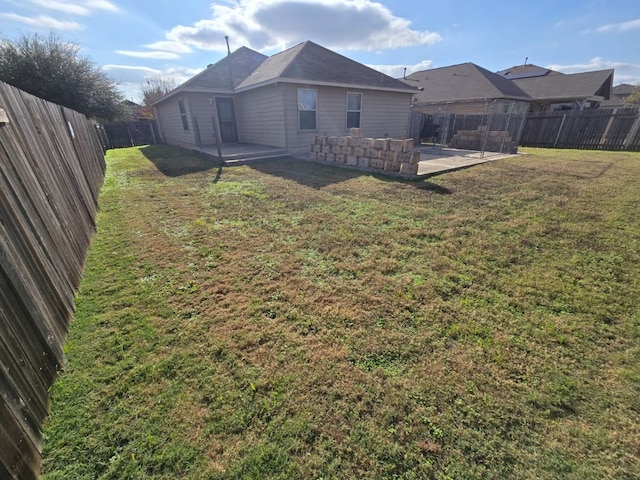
{"x": 559, "y": 130}
{"x": 216, "y": 137}
{"x": 632, "y": 132}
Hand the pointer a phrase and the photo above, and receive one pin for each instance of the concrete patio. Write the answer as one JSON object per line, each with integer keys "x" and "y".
{"x": 239, "y": 153}
{"x": 434, "y": 160}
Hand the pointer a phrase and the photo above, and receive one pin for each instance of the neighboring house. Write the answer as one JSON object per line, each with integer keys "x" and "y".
{"x": 283, "y": 100}
{"x": 551, "y": 90}
{"x": 466, "y": 106}
{"x": 461, "y": 89}
{"x": 131, "y": 112}
{"x": 618, "y": 96}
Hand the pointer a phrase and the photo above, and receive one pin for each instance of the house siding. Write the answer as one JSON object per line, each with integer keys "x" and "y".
{"x": 383, "y": 114}
{"x": 202, "y": 113}
{"x": 269, "y": 116}
{"x": 170, "y": 122}
{"x": 260, "y": 117}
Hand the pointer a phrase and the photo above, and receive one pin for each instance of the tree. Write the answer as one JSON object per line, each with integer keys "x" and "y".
{"x": 154, "y": 89}
{"x": 634, "y": 98}
{"x": 52, "y": 69}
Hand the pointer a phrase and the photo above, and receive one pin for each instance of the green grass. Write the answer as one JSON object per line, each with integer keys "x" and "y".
{"x": 293, "y": 320}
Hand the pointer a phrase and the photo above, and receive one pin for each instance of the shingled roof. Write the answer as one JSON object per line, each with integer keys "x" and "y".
{"x": 574, "y": 86}
{"x": 526, "y": 71}
{"x": 224, "y": 75}
{"x": 466, "y": 82}
{"x": 310, "y": 63}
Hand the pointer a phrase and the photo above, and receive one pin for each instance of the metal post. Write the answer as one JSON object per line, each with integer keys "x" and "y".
{"x": 506, "y": 128}
{"x": 216, "y": 137}
{"x": 445, "y": 131}
{"x": 486, "y": 133}
{"x": 523, "y": 122}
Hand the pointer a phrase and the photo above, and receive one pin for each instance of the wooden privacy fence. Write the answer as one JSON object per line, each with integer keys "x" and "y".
{"x": 603, "y": 129}
{"x": 130, "y": 134}
{"x": 51, "y": 170}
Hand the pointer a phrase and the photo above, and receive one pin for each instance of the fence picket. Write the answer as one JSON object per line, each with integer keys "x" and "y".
{"x": 603, "y": 129}
{"x": 51, "y": 170}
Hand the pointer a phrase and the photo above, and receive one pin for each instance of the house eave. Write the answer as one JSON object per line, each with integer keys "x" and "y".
{"x": 470, "y": 101}
{"x": 213, "y": 91}
{"x": 275, "y": 81}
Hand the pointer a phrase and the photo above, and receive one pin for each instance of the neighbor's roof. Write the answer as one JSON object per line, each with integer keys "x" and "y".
{"x": 575, "y": 86}
{"x": 619, "y": 94}
{"x": 465, "y": 82}
{"x": 623, "y": 89}
{"x": 224, "y": 75}
{"x": 313, "y": 64}
{"x": 527, "y": 70}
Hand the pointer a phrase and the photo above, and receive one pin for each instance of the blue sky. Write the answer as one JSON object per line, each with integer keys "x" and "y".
{"x": 133, "y": 40}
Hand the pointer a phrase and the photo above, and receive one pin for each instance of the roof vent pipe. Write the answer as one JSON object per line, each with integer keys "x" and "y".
{"x": 226, "y": 37}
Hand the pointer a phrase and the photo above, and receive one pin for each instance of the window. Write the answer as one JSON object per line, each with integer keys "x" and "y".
{"x": 183, "y": 114}
{"x": 307, "y": 105}
{"x": 354, "y": 106}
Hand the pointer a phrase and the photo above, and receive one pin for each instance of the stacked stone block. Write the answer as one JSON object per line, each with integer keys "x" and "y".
{"x": 389, "y": 154}
{"x": 497, "y": 140}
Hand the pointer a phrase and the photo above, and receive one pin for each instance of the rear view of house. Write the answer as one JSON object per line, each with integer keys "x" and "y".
{"x": 283, "y": 101}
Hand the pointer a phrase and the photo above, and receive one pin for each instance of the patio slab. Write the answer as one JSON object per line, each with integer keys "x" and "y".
{"x": 435, "y": 160}
{"x": 238, "y": 153}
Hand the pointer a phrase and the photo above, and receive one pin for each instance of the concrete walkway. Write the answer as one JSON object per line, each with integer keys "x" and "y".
{"x": 436, "y": 160}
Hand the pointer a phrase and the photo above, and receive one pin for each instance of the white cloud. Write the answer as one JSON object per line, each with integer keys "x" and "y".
{"x": 156, "y": 55}
{"x": 276, "y": 24}
{"x": 624, "y": 72}
{"x": 130, "y": 67}
{"x": 397, "y": 71}
{"x": 102, "y": 5}
{"x": 74, "y": 9}
{"x": 130, "y": 78}
{"x": 44, "y": 21}
{"x": 620, "y": 27}
{"x": 85, "y": 8}
{"x": 174, "y": 47}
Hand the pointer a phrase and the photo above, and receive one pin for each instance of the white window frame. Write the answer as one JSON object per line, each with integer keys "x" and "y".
{"x": 183, "y": 114}
{"x": 353, "y": 111}
{"x": 315, "y": 92}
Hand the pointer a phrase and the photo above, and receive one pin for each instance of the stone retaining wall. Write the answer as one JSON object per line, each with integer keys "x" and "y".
{"x": 387, "y": 154}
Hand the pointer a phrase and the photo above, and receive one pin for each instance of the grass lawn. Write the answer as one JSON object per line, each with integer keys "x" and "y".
{"x": 289, "y": 320}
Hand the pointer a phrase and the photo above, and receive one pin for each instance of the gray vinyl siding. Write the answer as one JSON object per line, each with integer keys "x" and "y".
{"x": 171, "y": 122}
{"x": 269, "y": 116}
{"x": 200, "y": 120}
{"x": 201, "y": 110}
{"x": 260, "y": 116}
{"x": 383, "y": 114}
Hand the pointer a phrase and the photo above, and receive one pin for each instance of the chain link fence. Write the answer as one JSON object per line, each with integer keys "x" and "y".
{"x": 488, "y": 126}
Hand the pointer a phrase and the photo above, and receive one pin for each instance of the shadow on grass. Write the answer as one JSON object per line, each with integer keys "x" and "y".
{"x": 317, "y": 175}
{"x": 177, "y": 161}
